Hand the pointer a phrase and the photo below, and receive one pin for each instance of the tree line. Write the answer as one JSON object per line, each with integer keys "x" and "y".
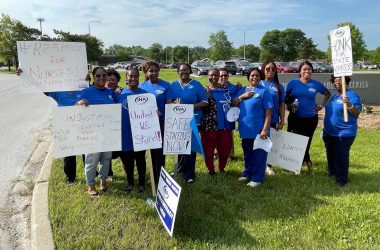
{"x": 286, "y": 45}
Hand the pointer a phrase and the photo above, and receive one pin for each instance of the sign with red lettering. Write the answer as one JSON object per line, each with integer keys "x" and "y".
{"x": 177, "y": 132}
{"x": 52, "y": 66}
{"x": 145, "y": 126}
{"x": 83, "y": 130}
{"x": 341, "y": 51}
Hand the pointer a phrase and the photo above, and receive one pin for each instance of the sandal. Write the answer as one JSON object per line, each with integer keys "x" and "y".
{"x": 93, "y": 193}
{"x": 129, "y": 188}
{"x": 103, "y": 189}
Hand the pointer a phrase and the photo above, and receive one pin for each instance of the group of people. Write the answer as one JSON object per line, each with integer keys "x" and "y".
{"x": 262, "y": 105}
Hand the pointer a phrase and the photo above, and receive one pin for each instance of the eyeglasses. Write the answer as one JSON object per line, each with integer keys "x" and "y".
{"x": 223, "y": 75}
{"x": 101, "y": 75}
{"x": 269, "y": 69}
{"x": 257, "y": 75}
{"x": 184, "y": 70}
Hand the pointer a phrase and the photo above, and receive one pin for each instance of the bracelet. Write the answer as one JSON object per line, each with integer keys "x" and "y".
{"x": 352, "y": 106}
{"x": 321, "y": 106}
{"x": 240, "y": 99}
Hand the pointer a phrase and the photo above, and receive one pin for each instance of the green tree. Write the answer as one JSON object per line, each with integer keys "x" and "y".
{"x": 271, "y": 47}
{"x": 12, "y": 30}
{"x": 198, "y": 53}
{"x": 94, "y": 46}
{"x": 357, "y": 41}
{"x": 180, "y": 54}
{"x": 375, "y": 55}
{"x": 307, "y": 49}
{"x": 220, "y": 47}
{"x": 155, "y": 52}
{"x": 252, "y": 52}
{"x": 137, "y": 51}
{"x": 121, "y": 52}
{"x": 291, "y": 40}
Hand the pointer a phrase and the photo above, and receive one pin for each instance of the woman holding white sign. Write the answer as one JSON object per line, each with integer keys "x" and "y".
{"x": 188, "y": 91}
{"x": 303, "y": 116}
{"x": 159, "y": 88}
{"x": 97, "y": 94}
{"x": 337, "y": 134}
{"x": 128, "y": 156}
{"x": 255, "y": 103}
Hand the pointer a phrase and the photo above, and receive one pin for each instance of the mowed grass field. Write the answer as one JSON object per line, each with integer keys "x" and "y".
{"x": 287, "y": 211}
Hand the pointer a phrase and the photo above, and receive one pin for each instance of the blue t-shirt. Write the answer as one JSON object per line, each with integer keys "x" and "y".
{"x": 334, "y": 124}
{"x": 193, "y": 92}
{"x": 272, "y": 87}
{"x": 305, "y": 93}
{"x": 65, "y": 98}
{"x": 223, "y": 104}
{"x": 97, "y": 96}
{"x": 252, "y": 112}
{"x": 126, "y": 133}
{"x": 233, "y": 89}
{"x": 159, "y": 90}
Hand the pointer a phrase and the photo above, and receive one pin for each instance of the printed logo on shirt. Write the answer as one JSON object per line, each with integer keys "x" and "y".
{"x": 255, "y": 95}
{"x": 159, "y": 91}
{"x": 110, "y": 97}
{"x": 339, "y": 101}
{"x": 274, "y": 89}
{"x": 125, "y": 104}
{"x": 312, "y": 90}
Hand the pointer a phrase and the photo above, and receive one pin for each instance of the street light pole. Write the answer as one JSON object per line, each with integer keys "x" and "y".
{"x": 188, "y": 50}
{"x": 40, "y": 19}
{"x": 89, "y": 28}
{"x": 244, "y": 30}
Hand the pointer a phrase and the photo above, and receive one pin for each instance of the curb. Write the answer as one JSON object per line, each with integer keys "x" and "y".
{"x": 41, "y": 231}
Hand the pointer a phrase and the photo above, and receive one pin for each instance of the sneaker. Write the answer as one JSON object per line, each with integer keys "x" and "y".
{"x": 242, "y": 178}
{"x": 253, "y": 184}
{"x": 269, "y": 171}
{"x": 190, "y": 181}
{"x": 110, "y": 178}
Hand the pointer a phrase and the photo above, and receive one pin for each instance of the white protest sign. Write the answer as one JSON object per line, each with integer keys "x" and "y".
{"x": 82, "y": 130}
{"x": 145, "y": 126}
{"x": 168, "y": 194}
{"x": 52, "y": 66}
{"x": 177, "y": 132}
{"x": 341, "y": 51}
{"x": 288, "y": 150}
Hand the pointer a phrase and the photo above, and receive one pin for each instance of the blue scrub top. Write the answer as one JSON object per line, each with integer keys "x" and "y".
{"x": 272, "y": 87}
{"x": 223, "y": 104}
{"x": 126, "y": 133}
{"x": 65, "y": 98}
{"x": 252, "y": 112}
{"x": 160, "y": 91}
{"x": 305, "y": 93}
{"x": 334, "y": 124}
{"x": 193, "y": 92}
{"x": 98, "y": 96}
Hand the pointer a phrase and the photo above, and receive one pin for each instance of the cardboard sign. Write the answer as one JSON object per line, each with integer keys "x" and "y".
{"x": 82, "y": 130}
{"x": 145, "y": 126}
{"x": 341, "y": 51}
{"x": 288, "y": 150}
{"x": 168, "y": 194}
{"x": 177, "y": 133}
{"x": 52, "y": 66}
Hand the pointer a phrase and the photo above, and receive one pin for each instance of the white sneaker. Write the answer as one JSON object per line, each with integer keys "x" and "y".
{"x": 253, "y": 184}
{"x": 270, "y": 171}
{"x": 243, "y": 178}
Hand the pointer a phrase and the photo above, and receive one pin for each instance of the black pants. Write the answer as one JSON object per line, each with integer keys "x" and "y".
{"x": 128, "y": 159}
{"x": 303, "y": 126}
{"x": 70, "y": 167}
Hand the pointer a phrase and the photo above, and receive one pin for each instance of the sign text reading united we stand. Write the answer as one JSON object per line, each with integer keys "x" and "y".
{"x": 52, "y": 66}
{"x": 82, "y": 130}
{"x": 177, "y": 132}
{"x": 341, "y": 51}
{"x": 145, "y": 126}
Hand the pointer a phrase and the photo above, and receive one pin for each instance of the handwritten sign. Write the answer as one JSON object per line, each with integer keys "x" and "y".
{"x": 145, "y": 126}
{"x": 168, "y": 194}
{"x": 341, "y": 51}
{"x": 288, "y": 150}
{"x": 82, "y": 130}
{"x": 52, "y": 66}
{"x": 177, "y": 133}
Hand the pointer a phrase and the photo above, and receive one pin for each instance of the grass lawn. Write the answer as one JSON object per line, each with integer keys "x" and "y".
{"x": 306, "y": 211}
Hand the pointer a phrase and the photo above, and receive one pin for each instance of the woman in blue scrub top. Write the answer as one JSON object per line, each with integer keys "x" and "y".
{"x": 337, "y": 134}
{"x": 303, "y": 118}
{"x": 159, "y": 88}
{"x": 255, "y": 103}
{"x": 188, "y": 91}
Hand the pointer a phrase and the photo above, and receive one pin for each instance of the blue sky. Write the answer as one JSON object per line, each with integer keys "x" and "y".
{"x": 172, "y": 22}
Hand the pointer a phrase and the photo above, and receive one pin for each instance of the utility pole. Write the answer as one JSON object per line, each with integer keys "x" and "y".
{"x": 40, "y": 19}
{"x": 244, "y": 30}
{"x": 89, "y": 27}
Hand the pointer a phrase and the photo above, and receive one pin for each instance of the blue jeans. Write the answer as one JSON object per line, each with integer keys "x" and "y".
{"x": 254, "y": 161}
{"x": 91, "y": 162}
{"x": 338, "y": 156}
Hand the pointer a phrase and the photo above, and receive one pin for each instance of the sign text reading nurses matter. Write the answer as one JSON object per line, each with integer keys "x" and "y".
{"x": 341, "y": 51}
{"x": 145, "y": 126}
{"x": 52, "y": 66}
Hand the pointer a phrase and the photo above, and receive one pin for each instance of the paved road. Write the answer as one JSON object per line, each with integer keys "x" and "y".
{"x": 23, "y": 119}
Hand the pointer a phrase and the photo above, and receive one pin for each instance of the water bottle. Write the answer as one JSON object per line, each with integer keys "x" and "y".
{"x": 295, "y": 105}
{"x": 150, "y": 203}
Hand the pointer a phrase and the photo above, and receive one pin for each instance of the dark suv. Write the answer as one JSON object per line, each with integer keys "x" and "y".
{"x": 200, "y": 67}
{"x": 229, "y": 65}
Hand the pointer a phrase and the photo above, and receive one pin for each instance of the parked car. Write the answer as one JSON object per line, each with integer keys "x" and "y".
{"x": 172, "y": 65}
{"x": 255, "y": 65}
{"x": 373, "y": 66}
{"x": 229, "y": 65}
{"x": 319, "y": 67}
{"x": 282, "y": 67}
{"x": 200, "y": 67}
{"x": 134, "y": 65}
{"x": 111, "y": 66}
{"x": 243, "y": 67}
{"x": 121, "y": 65}
{"x": 293, "y": 67}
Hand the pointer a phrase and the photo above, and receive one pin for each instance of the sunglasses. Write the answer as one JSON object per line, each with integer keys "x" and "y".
{"x": 101, "y": 75}
{"x": 269, "y": 69}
